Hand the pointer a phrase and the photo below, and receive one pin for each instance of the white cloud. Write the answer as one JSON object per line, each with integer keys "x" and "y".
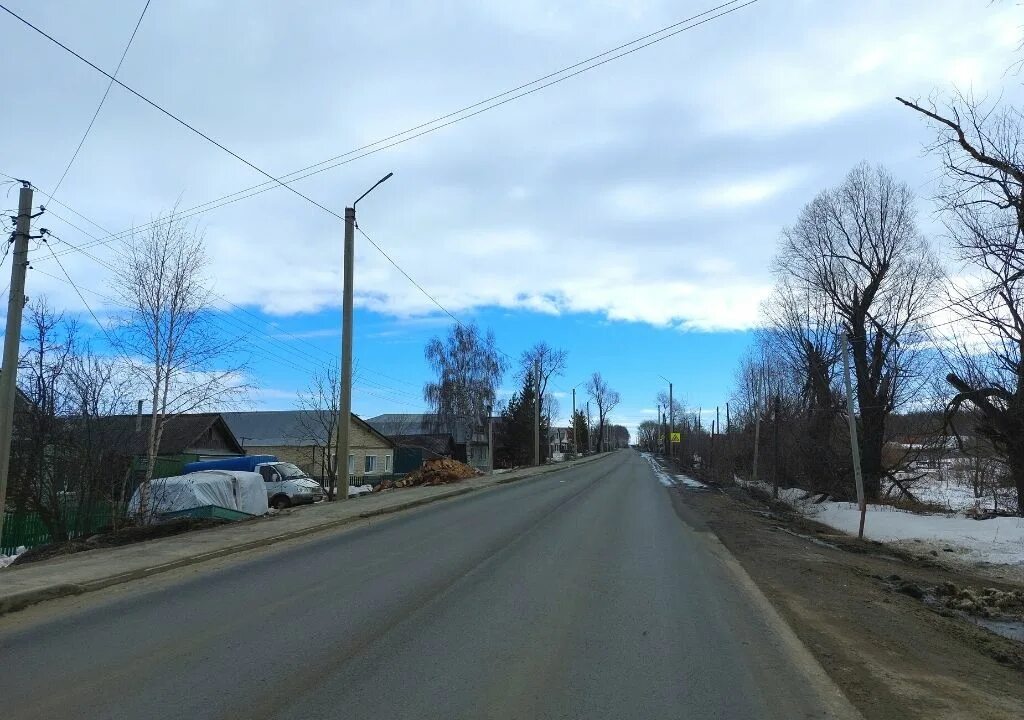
{"x": 650, "y": 190}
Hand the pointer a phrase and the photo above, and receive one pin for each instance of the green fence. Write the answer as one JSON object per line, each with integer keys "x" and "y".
{"x": 27, "y": 528}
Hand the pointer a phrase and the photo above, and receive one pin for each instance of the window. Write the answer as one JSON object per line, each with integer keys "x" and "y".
{"x": 387, "y": 463}
{"x": 351, "y": 464}
{"x": 371, "y": 463}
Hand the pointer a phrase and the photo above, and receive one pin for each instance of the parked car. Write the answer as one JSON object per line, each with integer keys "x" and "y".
{"x": 287, "y": 484}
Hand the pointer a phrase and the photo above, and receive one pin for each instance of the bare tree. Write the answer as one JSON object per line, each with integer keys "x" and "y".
{"x": 166, "y": 333}
{"x": 605, "y": 399}
{"x": 982, "y": 152}
{"x": 858, "y": 247}
{"x": 545, "y": 362}
{"x": 65, "y": 465}
{"x": 648, "y": 435}
{"x": 320, "y": 405}
{"x": 468, "y": 368}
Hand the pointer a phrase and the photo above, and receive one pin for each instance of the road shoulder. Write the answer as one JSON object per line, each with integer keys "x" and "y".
{"x": 890, "y": 654}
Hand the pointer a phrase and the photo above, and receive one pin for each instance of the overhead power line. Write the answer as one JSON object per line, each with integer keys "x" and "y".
{"x": 100, "y": 106}
{"x": 436, "y": 123}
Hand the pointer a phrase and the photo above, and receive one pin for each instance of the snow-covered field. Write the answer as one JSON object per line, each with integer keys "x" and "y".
{"x": 669, "y": 480}
{"x": 997, "y": 540}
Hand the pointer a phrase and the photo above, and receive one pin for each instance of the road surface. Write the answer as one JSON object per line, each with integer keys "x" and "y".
{"x": 577, "y": 594}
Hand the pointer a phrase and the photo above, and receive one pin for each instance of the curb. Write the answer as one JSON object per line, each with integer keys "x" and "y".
{"x": 19, "y": 601}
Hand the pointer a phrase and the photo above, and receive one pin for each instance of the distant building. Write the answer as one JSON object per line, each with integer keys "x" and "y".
{"x": 472, "y": 448}
{"x": 297, "y": 436}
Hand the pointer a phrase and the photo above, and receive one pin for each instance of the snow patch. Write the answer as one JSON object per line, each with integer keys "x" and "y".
{"x": 666, "y": 479}
{"x": 6, "y": 560}
{"x": 690, "y": 482}
{"x": 997, "y": 540}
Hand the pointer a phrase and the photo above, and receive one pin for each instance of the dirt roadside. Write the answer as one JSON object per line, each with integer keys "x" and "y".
{"x": 893, "y": 655}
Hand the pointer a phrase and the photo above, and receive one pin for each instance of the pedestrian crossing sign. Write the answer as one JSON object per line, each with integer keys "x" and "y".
{"x": 676, "y": 436}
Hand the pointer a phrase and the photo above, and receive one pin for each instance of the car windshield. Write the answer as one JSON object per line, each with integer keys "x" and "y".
{"x": 289, "y": 471}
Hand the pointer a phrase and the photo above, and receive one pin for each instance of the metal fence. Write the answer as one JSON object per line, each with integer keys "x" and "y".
{"x": 27, "y": 529}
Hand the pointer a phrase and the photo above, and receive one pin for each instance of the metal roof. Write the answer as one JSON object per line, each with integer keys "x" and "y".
{"x": 283, "y": 428}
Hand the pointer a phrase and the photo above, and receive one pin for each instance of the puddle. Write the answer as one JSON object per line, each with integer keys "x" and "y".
{"x": 1013, "y": 629}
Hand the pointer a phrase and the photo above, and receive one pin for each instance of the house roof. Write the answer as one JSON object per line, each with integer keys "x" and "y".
{"x": 180, "y": 433}
{"x": 285, "y": 428}
{"x": 394, "y": 424}
{"x": 437, "y": 444}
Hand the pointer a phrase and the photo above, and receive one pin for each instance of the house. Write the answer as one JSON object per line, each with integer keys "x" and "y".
{"x": 301, "y": 437}
{"x": 559, "y": 442}
{"x": 186, "y": 438}
{"x": 472, "y": 448}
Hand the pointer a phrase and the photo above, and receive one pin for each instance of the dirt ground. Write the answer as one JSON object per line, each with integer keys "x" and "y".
{"x": 854, "y": 604}
{"x": 124, "y": 536}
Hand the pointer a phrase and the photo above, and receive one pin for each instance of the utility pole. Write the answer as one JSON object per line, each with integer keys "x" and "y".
{"x": 575, "y": 440}
{"x": 12, "y": 338}
{"x": 854, "y": 445}
{"x": 671, "y": 419}
{"x": 345, "y": 404}
{"x": 757, "y": 440}
{"x": 728, "y": 424}
{"x": 775, "y": 449}
{"x": 588, "y": 426}
{"x": 536, "y": 413}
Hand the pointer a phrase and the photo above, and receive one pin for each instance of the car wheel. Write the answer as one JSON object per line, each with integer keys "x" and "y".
{"x": 281, "y": 502}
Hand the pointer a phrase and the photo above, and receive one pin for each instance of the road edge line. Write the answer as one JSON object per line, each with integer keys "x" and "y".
{"x": 839, "y": 705}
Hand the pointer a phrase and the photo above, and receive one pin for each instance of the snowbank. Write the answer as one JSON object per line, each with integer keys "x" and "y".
{"x": 6, "y": 560}
{"x": 667, "y": 480}
{"x": 998, "y": 540}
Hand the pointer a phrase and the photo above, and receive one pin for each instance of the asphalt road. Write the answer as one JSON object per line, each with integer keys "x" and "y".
{"x": 578, "y": 594}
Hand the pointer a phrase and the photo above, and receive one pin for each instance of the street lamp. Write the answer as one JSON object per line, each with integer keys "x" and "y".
{"x": 345, "y": 405}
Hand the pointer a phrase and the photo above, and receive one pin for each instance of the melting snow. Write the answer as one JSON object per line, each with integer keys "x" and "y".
{"x": 996, "y": 540}
{"x": 665, "y": 479}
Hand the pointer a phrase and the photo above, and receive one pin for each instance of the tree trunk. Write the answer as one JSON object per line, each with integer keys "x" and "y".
{"x": 1015, "y": 459}
{"x": 872, "y": 437}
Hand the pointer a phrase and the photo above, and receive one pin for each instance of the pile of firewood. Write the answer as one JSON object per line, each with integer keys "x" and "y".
{"x": 433, "y": 472}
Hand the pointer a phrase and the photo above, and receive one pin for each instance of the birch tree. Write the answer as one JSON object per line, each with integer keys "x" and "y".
{"x": 166, "y": 333}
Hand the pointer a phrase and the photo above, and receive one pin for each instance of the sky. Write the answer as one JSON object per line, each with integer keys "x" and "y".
{"x": 628, "y": 214}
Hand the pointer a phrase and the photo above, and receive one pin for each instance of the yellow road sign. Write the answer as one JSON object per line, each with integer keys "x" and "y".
{"x": 676, "y": 437}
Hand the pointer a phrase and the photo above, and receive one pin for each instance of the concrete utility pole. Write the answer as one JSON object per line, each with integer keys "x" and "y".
{"x": 671, "y": 419}
{"x": 854, "y": 445}
{"x": 12, "y": 339}
{"x": 589, "y": 445}
{"x": 536, "y": 413}
{"x": 757, "y": 440}
{"x": 575, "y": 444}
{"x": 345, "y": 404}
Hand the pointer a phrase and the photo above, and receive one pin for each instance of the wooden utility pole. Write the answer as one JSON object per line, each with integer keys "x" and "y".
{"x": 757, "y": 440}
{"x": 775, "y": 449}
{"x": 12, "y": 339}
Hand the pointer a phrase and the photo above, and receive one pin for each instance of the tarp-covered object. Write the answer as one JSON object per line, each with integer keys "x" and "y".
{"x": 232, "y": 489}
